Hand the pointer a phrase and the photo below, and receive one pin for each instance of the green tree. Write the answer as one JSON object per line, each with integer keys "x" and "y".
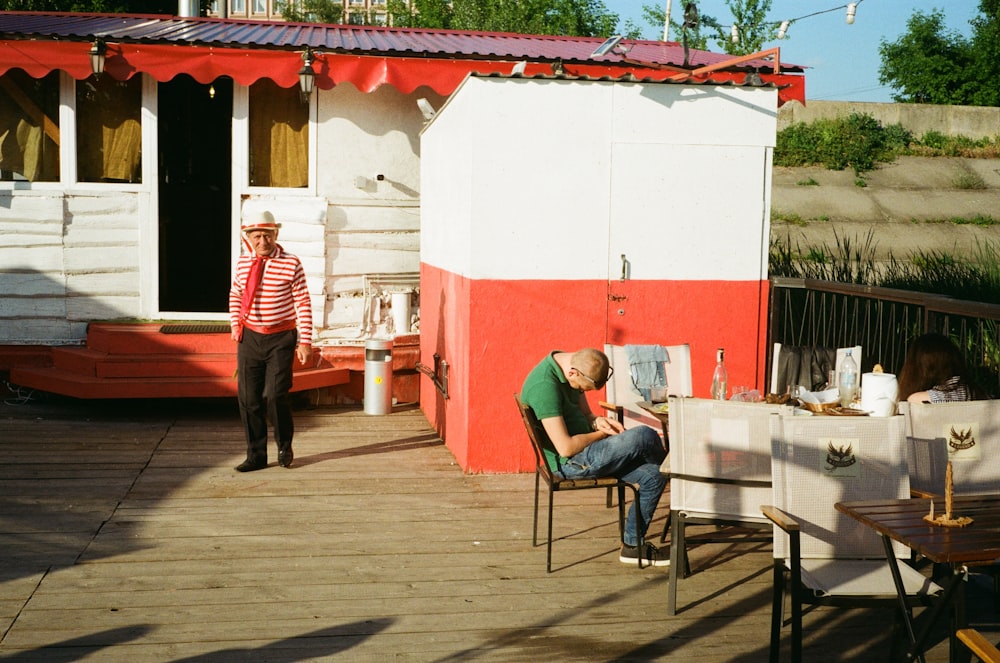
{"x": 312, "y": 11}
{"x": 986, "y": 53}
{"x": 589, "y": 18}
{"x": 932, "y": 65}
{"x": 688, "y": 29}
{"x": 420, "y": 13}
{"x": 749, "y": 17}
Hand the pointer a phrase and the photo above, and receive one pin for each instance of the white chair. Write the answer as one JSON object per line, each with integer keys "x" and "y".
{"x": 828, "y": 557}
{"x": 805, "y": 365}
{"x": 720, "y": 473}
{"x": 966, "y": 433}
{"x": 623, "y": 395}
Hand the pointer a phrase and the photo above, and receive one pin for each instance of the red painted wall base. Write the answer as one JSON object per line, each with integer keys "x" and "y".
{"x": 491, "y": 334}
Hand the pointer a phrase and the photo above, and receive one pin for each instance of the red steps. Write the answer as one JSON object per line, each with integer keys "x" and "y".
{"x": 141, "y": 361}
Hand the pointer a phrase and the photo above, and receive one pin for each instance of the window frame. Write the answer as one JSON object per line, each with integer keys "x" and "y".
{"x": 241, "y": 149}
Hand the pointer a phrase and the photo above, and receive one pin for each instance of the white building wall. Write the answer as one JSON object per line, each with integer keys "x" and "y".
{"x": 65, "y": 260}
{"x": 591, "y": 168}
{"x": 368, "y": 171}
{"x": 69, "y": 256}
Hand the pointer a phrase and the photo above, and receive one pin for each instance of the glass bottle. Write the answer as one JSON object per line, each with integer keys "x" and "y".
{"x": 847, "y": 380}
{"x": 720, "y": 378}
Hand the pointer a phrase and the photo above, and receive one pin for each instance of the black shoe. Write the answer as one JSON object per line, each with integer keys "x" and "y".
{"x": 652, "y": 556}
{"x": 286, "y": 457}
{"x": 251, "y": 465}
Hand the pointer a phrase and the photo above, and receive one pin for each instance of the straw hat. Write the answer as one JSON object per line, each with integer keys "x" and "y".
{"x": 260, "y": 220}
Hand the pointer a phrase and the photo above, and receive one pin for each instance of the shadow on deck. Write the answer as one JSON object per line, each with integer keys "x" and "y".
{"x": 126, "y": 535}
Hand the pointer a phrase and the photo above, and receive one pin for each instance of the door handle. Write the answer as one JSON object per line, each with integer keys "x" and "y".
{"x": 624, "y": 267}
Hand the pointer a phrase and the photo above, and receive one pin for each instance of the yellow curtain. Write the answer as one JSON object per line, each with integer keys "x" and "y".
{"x": 27, "y": 109}
{"x": 279, "y": 136}
{"x": 109, "y": 130}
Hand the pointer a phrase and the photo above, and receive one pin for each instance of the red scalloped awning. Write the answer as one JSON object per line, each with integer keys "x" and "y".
{"x": 245, "y": 66}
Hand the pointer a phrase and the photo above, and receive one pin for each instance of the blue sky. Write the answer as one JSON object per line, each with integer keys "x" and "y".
{"x": 843, "y": 59}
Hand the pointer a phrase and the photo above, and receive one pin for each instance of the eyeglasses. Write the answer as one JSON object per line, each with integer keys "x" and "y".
{"x": 597, "y": 385}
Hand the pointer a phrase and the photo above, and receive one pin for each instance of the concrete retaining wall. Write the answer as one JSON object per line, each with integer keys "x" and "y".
{"x": 970, "y": 121}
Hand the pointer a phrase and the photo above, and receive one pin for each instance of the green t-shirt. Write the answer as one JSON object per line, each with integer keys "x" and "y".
{"x": 547, "y": 392}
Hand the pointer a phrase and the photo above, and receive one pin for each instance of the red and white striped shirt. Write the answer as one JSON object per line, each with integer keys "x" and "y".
{"x": 282, "y": 300}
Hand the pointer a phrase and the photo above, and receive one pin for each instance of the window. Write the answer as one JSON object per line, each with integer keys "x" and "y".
{"x": 29, "y": 127}
{"x": 237, "y": 7}
{"x": 356, "y": 18}
{"x": 260, "y": 6}
{"x": 109, "y": 129}
{"x": 279, "y": 136}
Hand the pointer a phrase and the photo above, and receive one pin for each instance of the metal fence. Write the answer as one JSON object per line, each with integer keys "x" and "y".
{"x": 807, "y": 312}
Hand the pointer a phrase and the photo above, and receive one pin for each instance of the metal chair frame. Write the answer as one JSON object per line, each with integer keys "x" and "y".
{"x": 881, "y": 450}
{"x": 539, "y": 440}
{"x": 686, "y": 423}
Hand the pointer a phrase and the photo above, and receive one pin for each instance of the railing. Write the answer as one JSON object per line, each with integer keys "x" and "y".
{"x": 883, "y": 321}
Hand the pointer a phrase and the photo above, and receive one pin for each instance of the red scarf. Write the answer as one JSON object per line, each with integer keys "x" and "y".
{"x": 250, "y": 289}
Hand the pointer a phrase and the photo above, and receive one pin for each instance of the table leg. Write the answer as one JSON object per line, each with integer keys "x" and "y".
{"x": 955, "y": 584}
{"x": 957, "y": 653}
{"x": 913, "y": 650}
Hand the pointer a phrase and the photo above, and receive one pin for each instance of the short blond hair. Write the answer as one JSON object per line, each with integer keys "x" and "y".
{"x": 592, "y": 363}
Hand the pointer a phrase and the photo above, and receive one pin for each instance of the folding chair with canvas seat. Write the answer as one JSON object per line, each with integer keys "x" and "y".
{"x": 720, "y": 471}
{"x": 539, "y": 441}
{"x": 807, "y": 366}
{"x": 828, "y": 557}
{"x": 965, "y": 433}
{"x": 623, "y": 393}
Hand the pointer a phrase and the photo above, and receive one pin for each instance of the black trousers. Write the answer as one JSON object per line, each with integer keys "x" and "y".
{"x": 264, "y": 376}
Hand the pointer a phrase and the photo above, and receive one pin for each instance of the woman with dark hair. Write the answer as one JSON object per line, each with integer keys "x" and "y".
{"x": 935, "y": 371}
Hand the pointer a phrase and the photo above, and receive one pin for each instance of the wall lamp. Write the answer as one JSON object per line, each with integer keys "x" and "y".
{"x": 98, "y": 52}
{"x": 307, "y": 75}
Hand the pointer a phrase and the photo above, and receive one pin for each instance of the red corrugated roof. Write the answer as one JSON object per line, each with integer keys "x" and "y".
{"x": 367, "y": 56}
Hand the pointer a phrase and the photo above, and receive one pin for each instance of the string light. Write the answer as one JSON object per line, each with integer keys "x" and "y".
{"x": 851, "y": 7}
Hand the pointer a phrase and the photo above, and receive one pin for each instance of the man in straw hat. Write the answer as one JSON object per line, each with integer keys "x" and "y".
{"x": 271, "y": 320}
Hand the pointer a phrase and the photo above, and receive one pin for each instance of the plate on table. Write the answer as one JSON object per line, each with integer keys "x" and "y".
{"x": 846, "y": 412}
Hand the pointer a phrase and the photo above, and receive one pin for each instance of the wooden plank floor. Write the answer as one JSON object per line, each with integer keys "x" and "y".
{"x": 127, "y": 536}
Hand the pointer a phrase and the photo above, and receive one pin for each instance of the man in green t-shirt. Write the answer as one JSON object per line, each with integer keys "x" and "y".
{"x": 585, "y": 445}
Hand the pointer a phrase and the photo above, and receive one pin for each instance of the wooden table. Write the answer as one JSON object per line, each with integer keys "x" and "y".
{"x": 957, "y": 547}
{"x": 662, "y": 416}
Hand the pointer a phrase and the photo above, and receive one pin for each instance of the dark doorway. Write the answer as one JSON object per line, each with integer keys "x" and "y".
{"x": 195, "y": 175}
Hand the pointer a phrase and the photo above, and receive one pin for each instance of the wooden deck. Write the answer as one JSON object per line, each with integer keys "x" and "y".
{"x": 125, "y": 535}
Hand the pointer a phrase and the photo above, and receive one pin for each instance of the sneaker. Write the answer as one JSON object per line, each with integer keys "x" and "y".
{"x": 653, "y": 556}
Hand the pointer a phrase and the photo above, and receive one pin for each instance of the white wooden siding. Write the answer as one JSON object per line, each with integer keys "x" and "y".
{"x": 82, "y": 253}
{"x": 65, "y": 260}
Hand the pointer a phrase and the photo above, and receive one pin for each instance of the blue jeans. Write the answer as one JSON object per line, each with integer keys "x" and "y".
{"x": 633, "y": 456}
